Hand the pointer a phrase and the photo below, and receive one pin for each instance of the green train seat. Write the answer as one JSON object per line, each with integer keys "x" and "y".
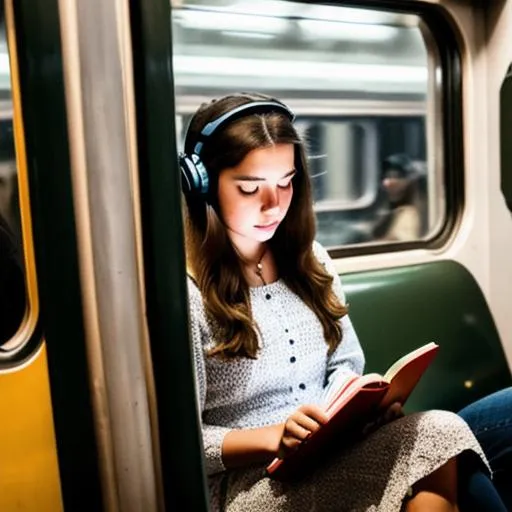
{"x": 397, "y": 310}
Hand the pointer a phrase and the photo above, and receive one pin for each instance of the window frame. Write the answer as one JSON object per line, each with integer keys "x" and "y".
{"x": 446, "y": 103}
{"x": 28, "y": 339}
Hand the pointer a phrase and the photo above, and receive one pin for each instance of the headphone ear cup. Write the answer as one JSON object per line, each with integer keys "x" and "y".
{"x": 187, "y": 173}
{"x": 194, "y": 176}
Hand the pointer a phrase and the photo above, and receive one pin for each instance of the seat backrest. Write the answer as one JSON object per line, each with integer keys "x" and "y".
{"x": 397, "y": 310}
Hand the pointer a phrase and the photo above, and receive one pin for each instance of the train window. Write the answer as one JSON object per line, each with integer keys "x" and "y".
{"x": 14, "y": 326}
{"x": 364, "y": 86}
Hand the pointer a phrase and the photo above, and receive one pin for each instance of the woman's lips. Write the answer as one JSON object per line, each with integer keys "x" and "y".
{"x": 268, "y": 227}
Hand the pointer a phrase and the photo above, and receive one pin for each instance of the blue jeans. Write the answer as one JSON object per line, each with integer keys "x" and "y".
{"x": 490, "y": 418}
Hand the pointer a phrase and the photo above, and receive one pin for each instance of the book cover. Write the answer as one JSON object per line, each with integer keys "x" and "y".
{"x": 357, "y": 401}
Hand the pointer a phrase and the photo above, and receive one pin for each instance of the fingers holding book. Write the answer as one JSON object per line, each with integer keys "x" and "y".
{"x": 305, "y": 421}
{"x": 391, "y": 413}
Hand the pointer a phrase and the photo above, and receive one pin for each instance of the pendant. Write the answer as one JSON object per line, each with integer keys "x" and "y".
{"x": 259, "y": 272}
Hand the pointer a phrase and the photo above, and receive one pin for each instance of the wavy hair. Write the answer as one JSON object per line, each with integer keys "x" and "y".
{"x": 211, "y": 258}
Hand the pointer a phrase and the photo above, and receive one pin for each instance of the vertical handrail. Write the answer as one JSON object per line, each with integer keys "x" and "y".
{"x": 97, "y": 86}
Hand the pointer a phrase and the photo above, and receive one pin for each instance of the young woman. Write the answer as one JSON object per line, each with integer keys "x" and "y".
{"x": 272, "y": 336}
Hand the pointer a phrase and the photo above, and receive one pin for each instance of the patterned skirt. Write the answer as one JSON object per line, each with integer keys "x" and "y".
{"x": 371, "y": 475}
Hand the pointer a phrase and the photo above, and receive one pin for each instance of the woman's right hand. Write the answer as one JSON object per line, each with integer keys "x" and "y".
{"x": 306, "y": 420}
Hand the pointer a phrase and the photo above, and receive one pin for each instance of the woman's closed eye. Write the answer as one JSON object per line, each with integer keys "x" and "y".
{"x": 285, "y": 183}
{"x": 248, "y": 190}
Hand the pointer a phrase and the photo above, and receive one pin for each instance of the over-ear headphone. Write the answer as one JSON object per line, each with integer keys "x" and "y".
{"x": 194, "y": 175}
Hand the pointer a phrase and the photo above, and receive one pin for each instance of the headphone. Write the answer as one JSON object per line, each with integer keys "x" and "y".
{"x": 194, "y": 175}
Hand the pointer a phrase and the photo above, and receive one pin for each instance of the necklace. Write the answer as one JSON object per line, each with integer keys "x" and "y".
{"x": 259, "y": 265}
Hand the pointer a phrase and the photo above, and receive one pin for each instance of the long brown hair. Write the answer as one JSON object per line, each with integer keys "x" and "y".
{"x": 211, "y": 258}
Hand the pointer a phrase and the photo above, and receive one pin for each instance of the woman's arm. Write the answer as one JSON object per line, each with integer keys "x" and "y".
{"x": 212, "y": 435}
{"x": 346, "y": 361}
{"x": 348, "y": 358}
{"x": 224, "y": 447}
{"x": 260, "y": 445}
{"x": 251, "y": 446}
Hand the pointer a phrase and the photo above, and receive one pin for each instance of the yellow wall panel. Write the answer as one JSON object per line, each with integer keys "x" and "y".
{"x": 29, "y": 475}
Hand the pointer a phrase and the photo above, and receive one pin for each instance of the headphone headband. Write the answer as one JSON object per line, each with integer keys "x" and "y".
{"x": 260, "y": 107}
{"x": 194, "y": 175}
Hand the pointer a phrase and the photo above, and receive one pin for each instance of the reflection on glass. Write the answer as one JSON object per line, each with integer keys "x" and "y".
{"x": 337, "y": 152}
{"x": 358, "y": 80}
{"x": 12, "y": 281}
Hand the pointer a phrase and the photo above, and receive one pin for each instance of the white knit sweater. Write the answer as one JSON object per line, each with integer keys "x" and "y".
{"x": 292, "y": 367}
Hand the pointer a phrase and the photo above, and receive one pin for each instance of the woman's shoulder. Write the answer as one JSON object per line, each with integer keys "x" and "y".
{"x": 323, "y": 257}
{"x": 194, "y": 293}
{"x": 321, "y": 253}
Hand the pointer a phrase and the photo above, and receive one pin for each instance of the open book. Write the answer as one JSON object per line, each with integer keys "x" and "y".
{"x": 356, "y": 402}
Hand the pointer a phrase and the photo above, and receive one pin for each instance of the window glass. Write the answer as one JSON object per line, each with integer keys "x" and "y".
{"x": 360, "y": 82}
{"x": 12, "y": 281}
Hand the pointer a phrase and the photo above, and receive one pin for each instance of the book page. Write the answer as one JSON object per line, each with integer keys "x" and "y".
{"x": 336, "y": 387}
{"x": 396, "y": 366}
{"x": 350, "y": 388}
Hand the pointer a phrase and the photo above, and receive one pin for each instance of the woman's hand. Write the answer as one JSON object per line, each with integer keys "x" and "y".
{"x": 393, "y": 412}
{"x": 306, "y": 420}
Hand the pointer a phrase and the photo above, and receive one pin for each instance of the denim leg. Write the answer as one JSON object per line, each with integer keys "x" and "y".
{"x": 477, "y": 494}
{"x": 490, "y": 418}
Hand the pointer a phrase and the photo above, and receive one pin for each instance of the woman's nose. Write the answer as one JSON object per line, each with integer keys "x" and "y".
{"x": 270, "y": 199}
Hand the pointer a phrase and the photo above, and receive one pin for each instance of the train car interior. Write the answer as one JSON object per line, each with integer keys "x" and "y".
{"x": 362, "y": 83}
{"x": 405, "y": 107}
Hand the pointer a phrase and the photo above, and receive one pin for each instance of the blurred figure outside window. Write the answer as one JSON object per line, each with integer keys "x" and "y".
{"x": 403, "y": 183}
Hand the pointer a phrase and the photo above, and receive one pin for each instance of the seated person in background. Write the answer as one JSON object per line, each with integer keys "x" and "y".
{"x": 12, "y": 284}
{"x": 402, "y": 183}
